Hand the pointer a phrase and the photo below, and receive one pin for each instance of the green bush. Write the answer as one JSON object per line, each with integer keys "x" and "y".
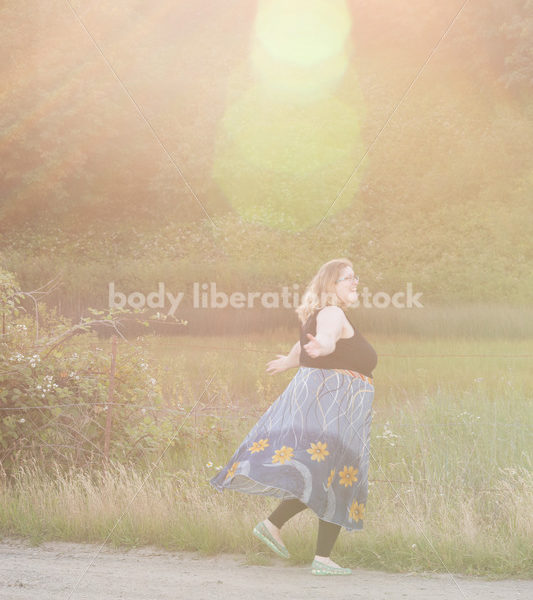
{"x": 55, "y": 386}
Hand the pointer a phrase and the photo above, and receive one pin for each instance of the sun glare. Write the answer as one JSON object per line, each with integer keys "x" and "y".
{"x": 302, "y": 32}
{"x": 287, "y": 146}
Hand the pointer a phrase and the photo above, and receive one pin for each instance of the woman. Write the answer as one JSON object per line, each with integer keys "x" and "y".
{"x": 311, "y": 447}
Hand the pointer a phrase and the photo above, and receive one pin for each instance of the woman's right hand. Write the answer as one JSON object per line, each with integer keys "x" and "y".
{"x": 278, "y": 365}
{"x": 313, "y": 347}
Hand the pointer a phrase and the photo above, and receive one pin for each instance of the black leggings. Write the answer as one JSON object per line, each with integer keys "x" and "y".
{"x": 327, "y": 532}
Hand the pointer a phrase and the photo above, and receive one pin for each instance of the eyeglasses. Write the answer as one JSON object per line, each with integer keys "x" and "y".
{"x": 353, "y": 278}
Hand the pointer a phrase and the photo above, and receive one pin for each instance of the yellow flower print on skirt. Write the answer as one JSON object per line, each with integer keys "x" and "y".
{"x": 357, "y": 511}
{"x": 348, "y": 476}
{"x": 259, "y": 446}
{"x": 330, "y": 478}
{"x": 318, "y": 451}
{"x": 311, "y": 444}
{"x": 231, "y": 472}
{"x": 282, "y": 455}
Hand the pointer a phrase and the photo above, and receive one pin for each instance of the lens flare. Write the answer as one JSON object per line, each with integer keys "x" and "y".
{"x": 288, "y": 145}
{"x": 282, "y": 165}
{"x": 302, "y": 32}
{"x": 283, "y": 81}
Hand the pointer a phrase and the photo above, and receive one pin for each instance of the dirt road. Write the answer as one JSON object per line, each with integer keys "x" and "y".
{"x": 75, "y": 571}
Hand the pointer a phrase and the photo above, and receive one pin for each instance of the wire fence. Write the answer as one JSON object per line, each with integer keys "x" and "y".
{"x": 167, "y": 344}
{"x": 199, "y": 411}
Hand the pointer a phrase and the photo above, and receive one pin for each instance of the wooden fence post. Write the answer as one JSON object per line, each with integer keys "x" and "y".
{"x": 109, "y": 405}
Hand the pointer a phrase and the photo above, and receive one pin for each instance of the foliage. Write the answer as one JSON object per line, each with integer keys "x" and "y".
{"x": 445, "y": 193}
{"x": 54, "y": 389}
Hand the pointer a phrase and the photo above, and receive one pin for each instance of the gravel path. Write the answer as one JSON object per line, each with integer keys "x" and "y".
{"x": 53, "y": 571}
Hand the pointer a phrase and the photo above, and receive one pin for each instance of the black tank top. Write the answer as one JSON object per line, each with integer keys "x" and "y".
{"x": 354, "y": 353}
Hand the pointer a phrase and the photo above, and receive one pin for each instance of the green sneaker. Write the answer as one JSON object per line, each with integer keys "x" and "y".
{"x": 320, "y": 568}
{"x": 262, "y": 533}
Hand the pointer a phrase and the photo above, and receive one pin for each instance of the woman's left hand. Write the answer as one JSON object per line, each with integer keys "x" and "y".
{"x": 278, "y": 365}
{"x": 313, "y": 348}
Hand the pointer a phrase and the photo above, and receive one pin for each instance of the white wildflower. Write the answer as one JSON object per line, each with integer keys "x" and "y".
{"x": 388, "y": 435}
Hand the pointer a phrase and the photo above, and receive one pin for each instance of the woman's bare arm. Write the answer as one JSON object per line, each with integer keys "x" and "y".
{"x": 329, "y": 325}
{"x": 282, "y": 362}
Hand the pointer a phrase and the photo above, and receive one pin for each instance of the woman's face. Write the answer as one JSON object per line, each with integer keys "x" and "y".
{"x": 346, "y": 286}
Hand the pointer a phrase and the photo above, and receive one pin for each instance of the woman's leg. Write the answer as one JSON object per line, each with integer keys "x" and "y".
{"x": 286, "y": 510}
{"x": 327, "y": 532}
{"x": 327, "y": 536}
{"x": 276, "y": 520}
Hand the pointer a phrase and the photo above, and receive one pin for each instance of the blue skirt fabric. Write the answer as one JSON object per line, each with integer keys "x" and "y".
{"x": 313, "y": 443}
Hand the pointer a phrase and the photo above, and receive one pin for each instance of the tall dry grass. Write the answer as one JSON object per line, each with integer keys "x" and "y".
{"x": 406, "y": 528}
{"x": 451, "y": 483}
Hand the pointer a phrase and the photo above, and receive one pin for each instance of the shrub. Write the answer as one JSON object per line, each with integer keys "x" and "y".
{"x": 55, "y": 379}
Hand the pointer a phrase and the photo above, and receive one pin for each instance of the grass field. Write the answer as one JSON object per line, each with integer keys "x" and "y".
{"x": 451, "y": 483}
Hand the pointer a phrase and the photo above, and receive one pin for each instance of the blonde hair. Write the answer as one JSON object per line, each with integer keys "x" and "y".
{"x": 321, "y": 290}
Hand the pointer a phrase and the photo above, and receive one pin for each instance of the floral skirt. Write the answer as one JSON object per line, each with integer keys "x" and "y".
{"x": 311, "y": 444}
